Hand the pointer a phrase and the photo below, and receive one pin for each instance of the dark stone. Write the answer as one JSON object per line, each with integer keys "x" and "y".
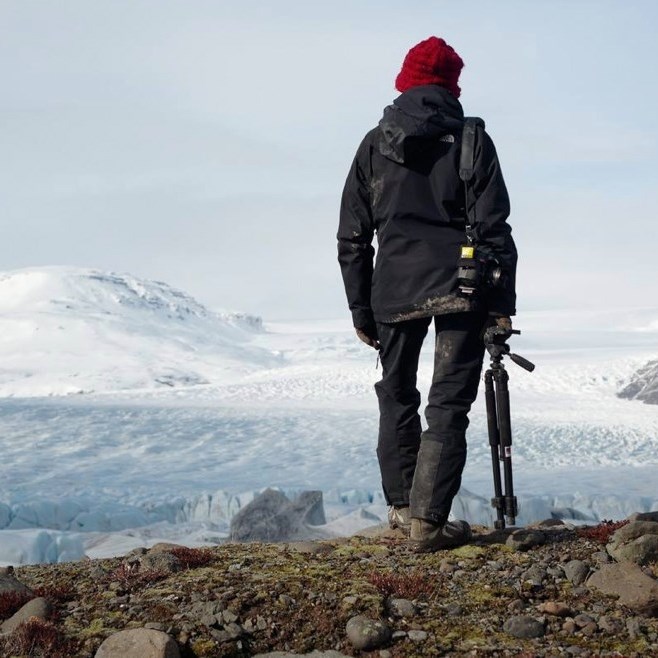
{"x": 272, "y": 517}
{"x": 576, "y": 572}
{"x": 401, "y": 607}
{"x": 522, "y": 626}
{"x": 160, "y": 561}
{"x": 9, "y": 582}
{"x": 524, "y": 539}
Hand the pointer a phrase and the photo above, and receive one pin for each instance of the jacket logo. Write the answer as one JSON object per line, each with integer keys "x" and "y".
{"x": 447, "y": 138}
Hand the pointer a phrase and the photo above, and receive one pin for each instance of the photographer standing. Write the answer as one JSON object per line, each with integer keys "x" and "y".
{"x": 404, "y": 185}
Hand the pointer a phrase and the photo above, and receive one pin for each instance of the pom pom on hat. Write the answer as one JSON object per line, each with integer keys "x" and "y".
{"x": 431, "y": 62}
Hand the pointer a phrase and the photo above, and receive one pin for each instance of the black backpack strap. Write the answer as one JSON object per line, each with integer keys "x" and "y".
{"x": 468, "y": 147}
{"x": 467, "y": 166}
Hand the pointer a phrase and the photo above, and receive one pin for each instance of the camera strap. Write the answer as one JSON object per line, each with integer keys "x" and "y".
{"x": 466, "y": 170}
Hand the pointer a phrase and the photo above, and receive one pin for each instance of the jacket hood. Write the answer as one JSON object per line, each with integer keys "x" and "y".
{"x": 418, "y": 115}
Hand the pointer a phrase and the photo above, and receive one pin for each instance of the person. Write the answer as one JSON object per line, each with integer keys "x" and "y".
{"x": 404, "y": 186}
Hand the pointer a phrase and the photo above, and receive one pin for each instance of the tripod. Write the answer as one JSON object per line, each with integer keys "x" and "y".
{"x": 498, "y": 421}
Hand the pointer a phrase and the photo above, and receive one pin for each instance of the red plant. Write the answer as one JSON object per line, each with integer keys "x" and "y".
{"x": 129, "y": 576}
{"x": 11, "y": 602}
{"x": 410, "y": 585}
{"x": 37, "y": 638}
{"x": 56, "y": 593}
{"x": 601, "y": 532}
{"x": 192, "y": 558}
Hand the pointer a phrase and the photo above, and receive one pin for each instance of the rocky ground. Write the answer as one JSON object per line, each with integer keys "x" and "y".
{"x": 550, "y": 590}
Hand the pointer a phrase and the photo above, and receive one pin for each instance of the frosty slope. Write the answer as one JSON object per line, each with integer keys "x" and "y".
{"x": 163, "y": 418}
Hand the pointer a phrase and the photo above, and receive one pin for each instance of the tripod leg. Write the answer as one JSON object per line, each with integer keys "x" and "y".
{"x": 497, "y": 501}
{"x": 505, "y": 429}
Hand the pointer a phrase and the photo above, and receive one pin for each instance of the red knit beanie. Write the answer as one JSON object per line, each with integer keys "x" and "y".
{"x": 431, "y": 62}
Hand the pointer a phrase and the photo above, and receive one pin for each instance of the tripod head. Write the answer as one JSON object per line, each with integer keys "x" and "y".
{"x": 495, "y": 340}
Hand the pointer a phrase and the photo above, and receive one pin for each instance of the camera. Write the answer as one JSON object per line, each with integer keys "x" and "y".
{"x": 478, "y": 269}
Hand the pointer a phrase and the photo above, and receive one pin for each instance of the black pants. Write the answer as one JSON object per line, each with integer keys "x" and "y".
{"x": 424, "y": 469}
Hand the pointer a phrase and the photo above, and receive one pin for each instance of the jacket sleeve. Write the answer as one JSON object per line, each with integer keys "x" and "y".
{"x": 492, "y": 208}
{"x": 355, "y": 250}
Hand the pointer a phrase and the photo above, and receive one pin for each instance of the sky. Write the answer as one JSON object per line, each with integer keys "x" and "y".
{"x": 205, "y": 143}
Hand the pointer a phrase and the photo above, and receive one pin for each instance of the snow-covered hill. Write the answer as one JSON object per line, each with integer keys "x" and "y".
{"x": 65, "y": 330}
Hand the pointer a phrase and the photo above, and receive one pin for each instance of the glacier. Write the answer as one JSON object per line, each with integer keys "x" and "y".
{"x": 131, "y": 414}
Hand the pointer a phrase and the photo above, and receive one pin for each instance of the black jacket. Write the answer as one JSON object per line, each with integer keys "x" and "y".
{"x": 404, "y": 185}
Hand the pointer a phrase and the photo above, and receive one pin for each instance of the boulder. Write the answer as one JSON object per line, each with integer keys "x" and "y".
{"x": 367, "y": 634}
{"x": 38, "y": 607}
{"x": 635, "y": 542}
{"x": 634, "y": 589}
{"x": 9, "y": 582}
{"x": 272, "y": 517}
{"x": 138, "y": 643}
{"x": 643, "y": 384}
{"x": 160, "y": 561}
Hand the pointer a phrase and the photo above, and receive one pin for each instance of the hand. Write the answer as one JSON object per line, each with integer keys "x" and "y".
{"x": 504, "y": 322}
{"x": 368, "y": 335}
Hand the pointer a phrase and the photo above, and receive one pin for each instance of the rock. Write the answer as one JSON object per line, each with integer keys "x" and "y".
{"x": 447, "y": 566}
{"x": 524, "y": 539}
{"x": 516, "y": 606}
{"x": 535, "y": 574}
{"x": 633, "y": 530}
{"x": 627, "y": 581}
{"x": 401, "y": 607}
{"x": 9, "y": 582}
{"x": 160, "y": 561}
{"x": 601, "y": 557}
{"x": 576, "y": 572}
{"x": 643, "y": 384}
{"x": 39, "y": 608}
{"x": 453, "y": 610}
{"x": 310, "y": 507}
{"x": 555, "y": 608}
{"x": 522, "y": 626}
{"x": 417, "y": 636}
{"x": 583, "y": 620}
{"x": 164, "y": 547}
{"x": 635, "y": 542}
{"x": 610, "y": 625}
{"x": 644, "y": 516}
{"x": 589, "y": 629}
{"x": 569, "y": 626}
{"x": 367, "y": 634}
{"x": 549, "y": 523}
{"x": 633, "y": 628}
{"x": 272, "y": 517}
{"x": 138, "y": 643}
{"x": 156, "y": 626}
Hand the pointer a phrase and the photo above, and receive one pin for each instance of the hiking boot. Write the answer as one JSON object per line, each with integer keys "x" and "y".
{"x": 399, "y": 518}
{"x": 427, "y": 537}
